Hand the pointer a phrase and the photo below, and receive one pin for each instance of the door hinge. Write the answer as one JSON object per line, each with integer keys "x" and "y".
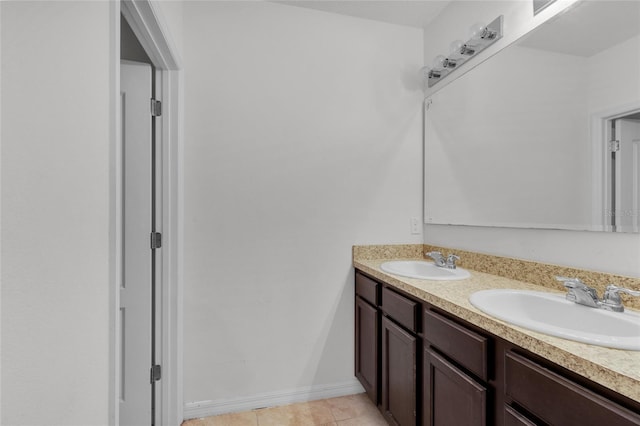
{"x": 156, "y": 108}
{"x": 156, "y": 373}
{"x": 614, "y": 146}
{"x": 156, "y": 240}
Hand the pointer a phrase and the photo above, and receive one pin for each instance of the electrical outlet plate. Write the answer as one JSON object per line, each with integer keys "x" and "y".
{"x": 415, "y": 226}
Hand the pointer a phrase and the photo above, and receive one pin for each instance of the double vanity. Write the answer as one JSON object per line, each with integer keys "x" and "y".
{"x": 463, "y": 350}
{"x": 499, "y": 341}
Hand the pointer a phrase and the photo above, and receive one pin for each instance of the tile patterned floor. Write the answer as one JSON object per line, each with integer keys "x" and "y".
{"x": 352, "y": 410}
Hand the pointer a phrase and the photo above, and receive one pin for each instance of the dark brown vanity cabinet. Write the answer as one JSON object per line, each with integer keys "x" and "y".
{"x": 399, "y": 387}
{"x": 399, "y": 358}
{"x": 424, "y": 366}
{"x": 551, "y": 398}
{"x": 451, "y": 397}
{"x": 387, "y": 348}
{"x": 455, "y": 373}
{"x": 513, "y": 418}
{"x": 367, "y": 335}
{"x": 367, "y": 326}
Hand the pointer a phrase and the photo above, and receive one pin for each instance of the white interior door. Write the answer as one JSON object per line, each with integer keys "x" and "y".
{"x": 136, "y": 284}
{"x": 628, "y": 175}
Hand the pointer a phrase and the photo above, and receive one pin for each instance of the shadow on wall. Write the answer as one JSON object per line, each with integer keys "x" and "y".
{"x": 330, "y": 349}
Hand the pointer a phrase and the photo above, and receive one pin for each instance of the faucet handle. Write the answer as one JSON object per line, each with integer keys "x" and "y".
{"x": 451, "y": 261}
{"x": 612, "y": 301}
{"x": 571, "y": 282}
{"x": 437, "y": 257}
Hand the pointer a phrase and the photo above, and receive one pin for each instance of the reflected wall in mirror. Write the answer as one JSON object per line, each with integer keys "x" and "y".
{"x": 524, "y": 138}
{"x": 540, "y": 5}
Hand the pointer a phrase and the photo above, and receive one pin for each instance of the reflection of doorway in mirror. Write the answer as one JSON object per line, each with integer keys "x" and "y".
{"x": 624, "y": 202}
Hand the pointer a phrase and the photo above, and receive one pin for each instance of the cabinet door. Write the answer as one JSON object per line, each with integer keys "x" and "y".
{"x": 450, "y": 396}
{"x": 398, "y": 374}
{"x": 367, "y": 365}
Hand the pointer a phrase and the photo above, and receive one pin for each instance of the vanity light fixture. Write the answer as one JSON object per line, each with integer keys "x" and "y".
{"x": 480, "y": 37}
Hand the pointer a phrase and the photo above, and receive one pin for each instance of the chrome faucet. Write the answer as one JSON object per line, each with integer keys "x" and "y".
{"x": 582, "y": 294}
{"x": 579, "y": 292}
{"x": 439, "y": 260}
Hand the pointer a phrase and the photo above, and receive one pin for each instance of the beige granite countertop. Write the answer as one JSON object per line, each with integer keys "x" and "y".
{"x": 616, "y": 369}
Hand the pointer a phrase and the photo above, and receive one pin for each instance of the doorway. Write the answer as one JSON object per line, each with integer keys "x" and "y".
{"x": 138, "y": 314}
{"x": 145, "y": 191}
{"x": 623, "y": 161}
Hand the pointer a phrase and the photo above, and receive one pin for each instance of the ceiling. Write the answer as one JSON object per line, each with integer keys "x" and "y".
{"x": 588, "y": 28}
{"x": 413, "y": 13}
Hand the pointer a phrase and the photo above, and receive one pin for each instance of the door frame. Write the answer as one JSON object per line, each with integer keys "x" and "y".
{"x": 151, "y": 30}
{"x": 600, "y": 167}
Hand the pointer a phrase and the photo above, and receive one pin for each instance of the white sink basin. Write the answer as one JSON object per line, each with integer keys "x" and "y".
{"x": 423, "y": 270}
{"x": 552, "y": 314}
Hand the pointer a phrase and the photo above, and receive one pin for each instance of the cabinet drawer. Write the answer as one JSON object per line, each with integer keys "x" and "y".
{"x": 403, "y": 310}
{"x": 367, "y": 289}
{"x": 464, "y": 346}
{"x": 558, "y": 400}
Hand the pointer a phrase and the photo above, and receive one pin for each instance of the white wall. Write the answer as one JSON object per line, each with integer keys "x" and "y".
{"x": 55, "y": 227}
{"x": 616, "y": 253}
{"x": 170, "y": 16}
{"x": 623, "y": 88}
{"x": 302, "y": 138}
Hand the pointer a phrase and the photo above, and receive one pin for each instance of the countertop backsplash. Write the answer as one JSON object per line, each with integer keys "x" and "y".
{"x": 542, "y": 274}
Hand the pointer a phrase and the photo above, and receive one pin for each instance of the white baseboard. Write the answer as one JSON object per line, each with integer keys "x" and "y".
{"x": 193, "y": 410}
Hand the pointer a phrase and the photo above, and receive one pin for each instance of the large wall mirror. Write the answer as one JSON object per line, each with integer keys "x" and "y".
{"x": 545, "y": 133}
